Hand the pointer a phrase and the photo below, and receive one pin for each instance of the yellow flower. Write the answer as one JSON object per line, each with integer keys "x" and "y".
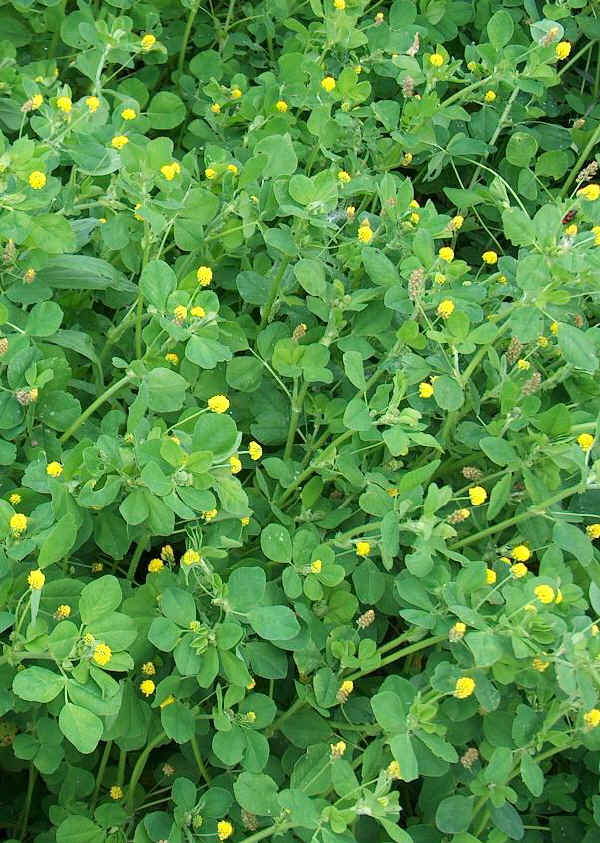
{"x": 251, "y": 685}
{"x": 393, "y": 770}
{"x": 585, "y": 441}
{"x": 364, "y": 234}
{"x": 218, "y": 404}
{"x": 64, "y": 104}
{"x": 543, "y": 342}
{"x": 457, "y": 631}
{"x": 505, "y": 559}
{"x": 235, "y": 464}
{"x": 591, "y": 192}
{"x": 393, "y": 492}
{"x": 147, "y": 687}
{"x": 562, "y": 50}
{"x": 456, "y": 222}
{"x": 148, "y": 41}
{"x": 180, "y": 313}
{"x": 97, "y": 567}
{"x": 414, "y": 217}
{"x": 571, "y": 230}
{"x": 215, "y": 108}
{"x": 489, "y": 96}
{"x": 166, "y": 553}
{"x": 425, "y": 390}
{"x": 407, "y": 158}
{"x": 328, "y": 84}
{"x": 464, "y": 687}
{"x": 18, "y": 523}
{"x": 490, "y": 257}
{"x": 544, "y": 593}
{"x": 15, "y": 498}
{"x": 128, "y": 114}
{"x": 169, "y": 171}
{"x": 167, "y": 701}
{"x": 210, "y": 173}
{"x": 63, "y": 611}
{"x": 559, "y": 597}
{"x": 198, "y": 312}
{"x": 138, "y": 216}
{"x": 477, "y": 495}
{"x": 316, "y": 566}
{"x": 358, "y": 69}
{"x": 363, "y": 548}
{"x": 116, "y": 792}
{"x": 596, "y": 233}
{"x": 502, "y": 279}
{"x": 251, "y": 716}
{"x": 490, "y": 576}
{"x": 171, "y": 357}
{"x": 36, "y": 101}
{"x": 204, "y": 275}
{"x": 343, "y": 176}
{"x": 519, "y": 570}
{"x": 155, "y": 565}
{"x": 119, "y": 141}
{"x": 439, "y": 278}
{"x": 592, "y": 718}
{"x": 445, "y": 308}
{"x": 446, "y": 254}
{"x": 148, "y": 669}
{"x": 436, "y": 60}
{"x": 209, "y": 514}
{"x": 245, "y": 520}
{"x": 190, "y": 557}
{"x": 93, "y": 104}
{"x": 224, "y": 829}
{"x": 337, "y": 749}
{"x": 595, "y": 629}
{"x": 232, "y": 168}
{"x": 102, "y": 654}
{"x": 530, "y": 608}
{"x": 37, "y": 180}
{"x": 539, "y": 664}
{"x": 36, "y": 580}
{"x": 554, "y": 328}
{"x": 54, "y": 469}
{"x": 350, "y": 212}
{"x": 521, "y": 553}
{"x": 282, "y": 106}
{"x": 523, "y": 365}
{"x": 592, "y": 530}
{"x": 236, "y": 93}
{"x": 255, "y": 450}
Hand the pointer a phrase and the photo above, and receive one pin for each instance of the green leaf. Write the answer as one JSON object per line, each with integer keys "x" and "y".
{"x": 157, "y": 282}
{"x": 404, "y": 754}
{"x": 246, "y": 588}
{"x": 59, "y": 541}
{"x": 310, "y": 275}
{"x": 79, "y": 829}
{"x": 275, "y": 623}
{"x": 577, "y": 348}
{"x": 498, "y": 450}
{"x": 454, "y": 814}
{"x": 447, "y": 393}
{"x": 36, "y": 684}
{"x": 166, "y": 110}
{"x": 353, "y": 366}
{"x": 574, "y": 541}
{"x": 44, "y": 319}
{"x": 532, "y": 775}
{"x": 499, "y": 496}
{"x": 276, "y": 543}
{"x": 500, "y": 29}
{"x": 178, "y": 722}
{"x": 164, "y": 390}
{"x": 257, "y": 793}
{"x": 99, "y": 598}
{"x": 81, "y": 727}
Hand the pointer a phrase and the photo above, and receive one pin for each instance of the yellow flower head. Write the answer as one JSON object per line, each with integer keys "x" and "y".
{"x": 571, "y": 230}
{"x": 37, "y": 180}
{"x": 190, "y": 557}
{"x": 251, "y": 685}
{"x": 18, "y": 523}
{"x": 591, "y": 192}
{"x": 54, "y": 469}
{"x": 236, "y": 93}
{"x": 316, "y": 566}
{"x": 36, "y": 580}
{"x": 596, "y": 233}
{"x": 218, "y": 404}
{"x": 148, "y": 669}
{"x": 477, "y": 495}
{"x": 364, "y": 234}
{"x": 436, "y": 60}
{"x": 169, "y": 171}
{"x": 393, "y": 770}
{"x": 97, "y": 567}
{"x": 519, "y": 570}
{"x": 363, "y": 548}
{"x": 554, "y": 328}
{"x": 559, "y": 597}
{"x": 235, "y": 464}
{"x": 180, "y": 313}
{"x": 585, "y": 441}
{"x": 167, "y": 701}
{"x": 224, "y": 830}
{"x": 490, "y": 257}
{"x": 425, "y": 390}
{"x": 245, "y": 520}
{"x": 232, "y": 168}
{"x": 215, "y": 108}
{"x": 155, "y": 565}
{"x": 93, "y": 104}
{"x": 489, "y": 96}
{"x": 544, "y": 593}
{"x": 204, "y": 275}
{"x": 172, "y": 358}
{"x": 166, "y": 553}
{"x": 251, "y": 716}
{"x": 209, "y": 514}
{"x": 464, "y": 687}
{"x": 490, "y": 576}
{"x": 393, "y": 492}
{"x": 198, "y": 312}
{"x": 592, "y": 530}
{"x": 64, "y": 104}
{"x": 592, "y": 718}
{"x": 414, "y": 217}
{"x": 337, "y": 749}
{"x": 523, "y": 365}
{"x": 540, "y": 665}
{"x": 128, "y": 114}
{"x": 543, "y": 341}
{"x": 147, "y": 687}
{"x": 15, "y": 498}
{"x": 119, "y": 141}
{"x": 210, "y": 173}
{"x": 446, "y": 254}
{"x": 36, "y": 101}
{"x": 148, "y": 41}
{"x": 116, "y": 792}
{"x": 328, "y": 84}
{"x": 102, "y": 654}
{"x": 562, "y": 50}
{"x": 457, "y": 631}
{"x": 456, "y": 222}
{"x": 255, "y": 450}
{"x": 439, "y": 278}
{"x": 63, "y": 611}
{"x": 282, "y": 106}
{"x": 521, "y": 553}
{"x": 343, "y": 176}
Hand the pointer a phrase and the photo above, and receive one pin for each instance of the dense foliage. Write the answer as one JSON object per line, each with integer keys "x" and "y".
{"x": 298, "y": 404}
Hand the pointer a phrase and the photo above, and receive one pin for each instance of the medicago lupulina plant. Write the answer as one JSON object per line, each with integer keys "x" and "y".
{"x": 299, "y": 501}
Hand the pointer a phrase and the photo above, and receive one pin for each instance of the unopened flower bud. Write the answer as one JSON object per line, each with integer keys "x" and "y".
{"x": 470, "y": 757}
{"x": 29, "y": 275}
{"x": 366, "y": 619}
{"x": 3, "y": 345}
{"x": 470, "y": 472}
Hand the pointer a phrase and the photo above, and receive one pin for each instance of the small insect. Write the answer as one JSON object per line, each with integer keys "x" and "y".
{"x": 569, "y": 216}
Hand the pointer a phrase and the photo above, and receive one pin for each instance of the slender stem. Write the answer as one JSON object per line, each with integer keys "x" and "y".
{"x": 286, "y": 714}
{"x": 459, "y": 94}
{"x": 112, "y": 390}
{"x": 297, "y": 405}
{"x": 312, "y": 468}
{"x": 400, "y": 654}
{"x": 135, "y": 559}
{"x": 267, "y": 832}
{"x": 27, "y": 807}
{"x": 100, "y": 775}
{"x": 499, "y": 127}
{"x": 186, "y": 36}
{"x": 516, "y": 519}
{"x": 273, "y": 292}
{"x": 139, "y": 768}
{"x": 138, "y": 326}
{"x": 121, "y": 767}
{"x": 199, "y": 761}
{"x": 580, "y": 161}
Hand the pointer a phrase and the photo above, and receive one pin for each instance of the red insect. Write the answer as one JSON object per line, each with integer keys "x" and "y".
{"x": 569, "y": 216}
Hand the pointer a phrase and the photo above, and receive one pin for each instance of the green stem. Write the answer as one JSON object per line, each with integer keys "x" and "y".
{"x": 199, "y": 761}
{"x": 580, "y": 161}
{"x": 267, "y": 832}
{"x": 100, "y": 775}
{"x": 27, "y": 807}
{"x": 297, "y": 406}
{"x": 121, "y": 767}
{"x": 112, "y": 390}
{"x": 516, "y": 519}
{"x": 186, "y": 36}
{"x": 405, "y": 651}
{"x": 497, "y": 131}
{"x": 138, "y": 326}
{"x": 459, "y": 94}
{"x": 135, "y": 559}
{"x": 56, "y": 33}
{"x": 139, "y": 769}
{"x": 273, "y": 292}
{"x": 312, "y": 468}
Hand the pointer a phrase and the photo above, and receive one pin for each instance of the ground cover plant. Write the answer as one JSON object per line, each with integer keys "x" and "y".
{"x": 299, "y": 508}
